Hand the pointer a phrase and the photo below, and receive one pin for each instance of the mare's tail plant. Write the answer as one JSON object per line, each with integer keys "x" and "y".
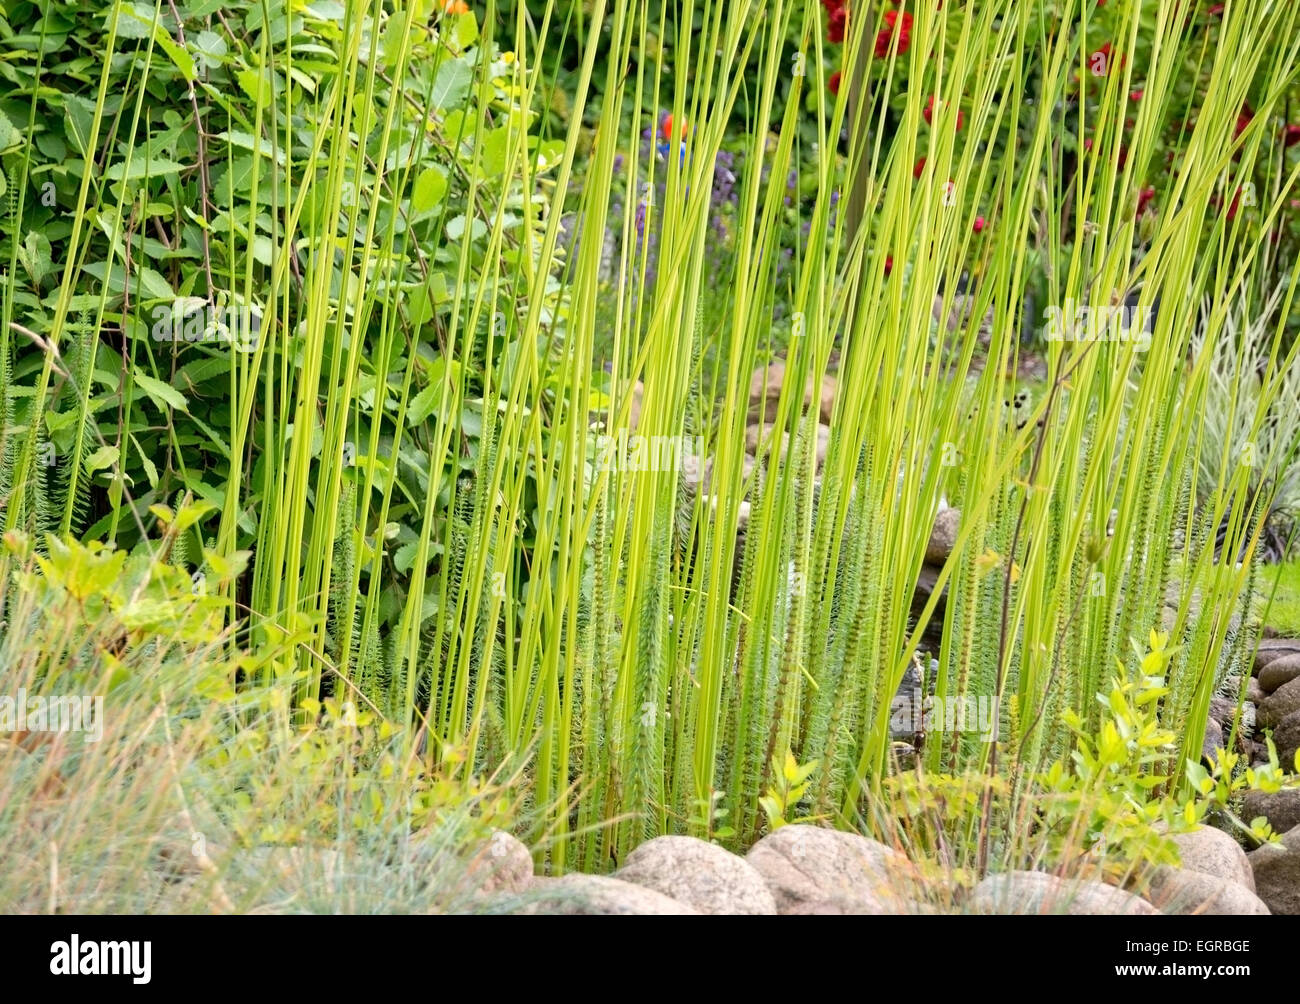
{"x": 430, "y": 258}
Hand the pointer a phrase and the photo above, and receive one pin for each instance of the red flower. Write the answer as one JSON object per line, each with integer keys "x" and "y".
{"x": 666, "y": 129}
{"x": 1291, "y": 134}
{"x": 1099, "y": 61}
{"x": 1087, "y": 143}
{"x": 1216, "y": 201}
{"x": 919, "y": 169}
{"x": 899, "y": 23}
{"x": 889, "y": 265}
{"x": 1136, "y": 96}
{"x": 979, "y": 224}
{"x": 1215, "y": 9}
{"x": 1144, "y": 199}
{"x": 928, "y": 113}
{"x": 1244, "y": 118}
{"x": 837, "y": 26}
{"x": 834, "y": 83}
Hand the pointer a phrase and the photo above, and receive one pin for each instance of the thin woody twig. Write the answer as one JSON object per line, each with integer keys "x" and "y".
{"x": 202, "y": 158}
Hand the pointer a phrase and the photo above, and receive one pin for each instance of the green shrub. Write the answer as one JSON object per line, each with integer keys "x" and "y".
{"x": 187, "y": 788}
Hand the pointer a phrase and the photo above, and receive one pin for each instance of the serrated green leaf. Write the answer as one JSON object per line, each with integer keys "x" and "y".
{"x": 162, "y": 394}
{"x": 142, "y": 167}
{"x": 430, "y": 188}
{"x": 103, "y": 458}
